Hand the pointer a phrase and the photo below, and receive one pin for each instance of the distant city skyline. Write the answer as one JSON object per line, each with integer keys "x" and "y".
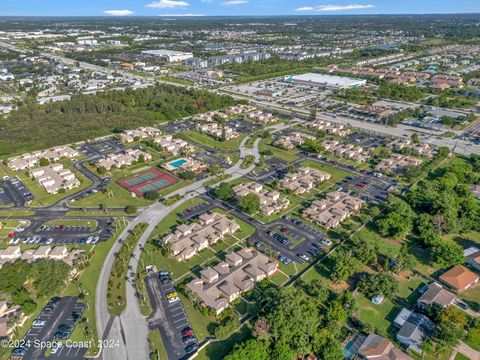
{"x": 174, "y": 8}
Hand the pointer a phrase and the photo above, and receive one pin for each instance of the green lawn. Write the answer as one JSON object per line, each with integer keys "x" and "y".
{"x": 41, "y": 197}
{"x": 472, "y": 297}
{"x": 16, "y": 213}
{"x": 381, "y": 316}
{"x": 7, "y": 226}
{"x": 219, "y": 349}
{"x": 287, "y": 155}
{"x": 207, "y": 140}
{"x": 200, "y": 323}
{"x": 156, "y": 346}
{"x": 460, "y": 356}
{"x": 279, "y": 278}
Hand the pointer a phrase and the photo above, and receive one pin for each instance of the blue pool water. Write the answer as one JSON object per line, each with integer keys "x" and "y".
{"x": 177, "y": 163}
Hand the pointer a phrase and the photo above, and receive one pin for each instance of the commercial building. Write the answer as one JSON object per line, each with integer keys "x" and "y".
{"x": 124, "y": 158}
{"x": 189, "y": 239}
{"x": 55, "y": 177}
{"x": 331, "y": 211}
{"x": 326, "y": 81}
{"x": 197, "y": 63}
{"x": 270, "y": 200}
{"x": 223, "y": 283}
{"x": 169, "y": 55}
{"x": 304, "y": 180}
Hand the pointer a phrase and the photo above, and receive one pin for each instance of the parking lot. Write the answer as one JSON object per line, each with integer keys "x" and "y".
{"x": 56, "y": 322}
{"x": 196, "y": 210}
{"x": 101, "y": 147}
{"x": 168, "y": 317}
{"x": 367, "y": 188}
{"x": 14, "y": 191}
{"x": 274, "y": 168}
{"x": 172, "y": 127}
{"x": 243, "y": 126}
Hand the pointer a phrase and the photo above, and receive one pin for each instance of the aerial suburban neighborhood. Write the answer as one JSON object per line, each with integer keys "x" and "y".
{"x": 184, "y": 180}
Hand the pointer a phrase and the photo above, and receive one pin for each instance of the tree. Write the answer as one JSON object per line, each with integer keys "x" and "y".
{"x": 447, "y": 253}
{"x": 101, "y": 170}
{"x": 151, "y": 195}
{"x": 345, "y": 266}
{"x": 378, "y": 284}
{"x": 252, "y": 349}
{"x": 415, "y": 138}
{"x": 313, "y": 146}
{"x": 332, "y": 351}
{"x": 224, "y": 191}
{"x": 450, "y": 326}
{"x": 249, "y": 203}
{"x": 131, "y": 209}
{"x": 397, "y": 220}
{"x": 43, "y": 161}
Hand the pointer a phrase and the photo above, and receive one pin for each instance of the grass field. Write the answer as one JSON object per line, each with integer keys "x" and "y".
{"x": 207, "y": 140}
{"x": 16, "y": 213}
{"x": 219, "y": 349}
{"x": 8, "y": 226}
{"x": 156, "y": 346}
{"x": 287, "y": 155}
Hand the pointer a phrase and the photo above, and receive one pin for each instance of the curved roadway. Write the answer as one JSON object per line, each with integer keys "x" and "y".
{"x": 129, "y": 330}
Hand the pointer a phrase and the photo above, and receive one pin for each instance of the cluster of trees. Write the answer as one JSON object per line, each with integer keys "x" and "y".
{"x": 399, "y": 92}
{"x": 249, "y": 203}
{"x": 283, "y": 331}
{"x": 446, "y": 100}
{"x": 23, "y": 283}
{"x": 451, "y": 323}
{"x": 89, "y": 116}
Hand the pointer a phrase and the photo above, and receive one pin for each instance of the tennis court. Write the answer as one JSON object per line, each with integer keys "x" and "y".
{"x": 148, "y": 180}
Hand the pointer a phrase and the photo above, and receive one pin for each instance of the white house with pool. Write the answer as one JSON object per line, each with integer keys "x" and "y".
{"x": 185, "y": 164}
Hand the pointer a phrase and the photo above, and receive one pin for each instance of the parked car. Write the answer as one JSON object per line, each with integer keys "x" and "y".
{"x": 187, "y": 331}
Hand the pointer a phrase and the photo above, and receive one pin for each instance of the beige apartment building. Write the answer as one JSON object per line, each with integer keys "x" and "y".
{"x": 29, "y": 160}
{"x": 218, "y": 131}
{"x": 124, "y": 158}
{"x": 423, "y": 149}
{"x": 55, "y": 177}
{"x": 347, "y": 151}
{"x": 289, "y": 142}
{"x": 304, "y": 180}
{"x": 223, "y": 283}
{"x": 140, "y": 133}
{"x": 328, "y": 127}
{"x": 331, "y": 211}
{"x": 189, "y": 239}
{"x": 396, "y": 163}
{"x": 171, "y": 145}
{"x": 270, "y": 200}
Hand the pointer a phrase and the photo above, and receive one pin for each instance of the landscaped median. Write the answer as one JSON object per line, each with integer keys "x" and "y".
{"x": 116, "y": 295}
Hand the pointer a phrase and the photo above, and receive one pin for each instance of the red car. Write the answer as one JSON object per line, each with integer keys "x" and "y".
{"x": 11, "y": 235}
{"x": 187, "y": 332}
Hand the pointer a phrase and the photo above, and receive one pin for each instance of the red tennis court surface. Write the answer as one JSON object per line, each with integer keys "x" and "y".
{"x": 145, "y": 181}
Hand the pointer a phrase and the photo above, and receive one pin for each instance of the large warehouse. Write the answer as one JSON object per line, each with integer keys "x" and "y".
{"x": 169, "y": 55}
{"x": 328, "y": 81}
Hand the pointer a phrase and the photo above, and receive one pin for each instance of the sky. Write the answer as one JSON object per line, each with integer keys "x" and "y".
{"x": 231, "y": 7}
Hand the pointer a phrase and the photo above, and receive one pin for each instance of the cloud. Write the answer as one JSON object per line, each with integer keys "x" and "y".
{"x": 168, "y": 4}
{"x": 180, "y": 15}
{"x": 334, "y": 7}
{"x": 118, "y": 12}
{"x": 206, "y": 1}
{"x": 235, "y": 2}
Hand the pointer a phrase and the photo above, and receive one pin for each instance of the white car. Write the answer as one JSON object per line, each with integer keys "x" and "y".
{"x": 38, "y": 322}
{"x": 173, "y": 300}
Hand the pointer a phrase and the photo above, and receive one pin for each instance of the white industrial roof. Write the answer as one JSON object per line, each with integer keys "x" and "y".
{"x": 337, "y": 81}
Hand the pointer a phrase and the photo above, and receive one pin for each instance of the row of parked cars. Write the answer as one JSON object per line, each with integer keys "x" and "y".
{"x": 190, "y": 341}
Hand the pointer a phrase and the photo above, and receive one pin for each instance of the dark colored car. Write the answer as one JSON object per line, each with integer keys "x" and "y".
{"x": 191, "y": 348}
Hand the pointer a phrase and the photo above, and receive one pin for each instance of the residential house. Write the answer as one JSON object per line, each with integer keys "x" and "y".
{"x": 140, "y": 133}
{"x": 171, "y": 145}
{"x": 124, "y": 158}
{"x": 347, "y": 151}
{"x": 376, "y": 347}
{"x": 55, "y": 177}
{"x": 459, "y": 278}
{"x": 472, "y": 257}
{"x": 396, "y": 163}
{"x": 435, "y": 294}
{"x": 292, "y": 140}
{"x": 414, "y": 331}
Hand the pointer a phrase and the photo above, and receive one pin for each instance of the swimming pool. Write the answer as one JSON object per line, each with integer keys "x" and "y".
{"x": 177, "y": 163}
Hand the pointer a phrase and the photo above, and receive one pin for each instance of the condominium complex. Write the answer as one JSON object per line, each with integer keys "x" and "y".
{"x": 140, "y": 133}
{"x": 171, "y": 145}
{"x": 224, "y": 113}
{"x": 218, "y": 131}
{"x": 124, "y": 158}
{"x": 423, "y": 149}
{"x": 396, "y": 163}
{"x": 55, "y": 177}
{"x": 189, "y": 239}
{"x": 292, "y": 140}
{"x": 29, "y": 160}
{"x": 261, "y": 117}
{"x": 331, "y": 211}
{"x": 304, "y": 180}
{"x": 223, "y": 283}
{"x": 328, "y": 127}
{"x": 347, "y": 151}
{"x": 270, "y": 200}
